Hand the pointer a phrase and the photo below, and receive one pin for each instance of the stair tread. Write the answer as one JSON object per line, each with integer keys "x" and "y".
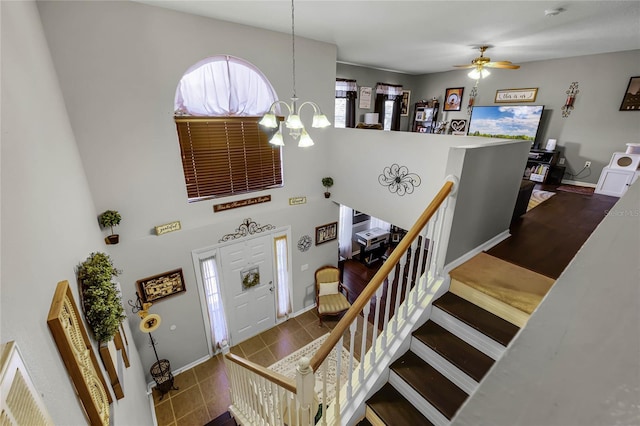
{"x": 455, "y": 350}
{"x": 485, "y": 322}
{"x": 511, "y": 284}
{"x": 443, "y": 394}
{"x": 393, "y": 409}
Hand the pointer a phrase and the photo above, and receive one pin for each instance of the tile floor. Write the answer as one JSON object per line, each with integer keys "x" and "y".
{"x": 203, "y": 393}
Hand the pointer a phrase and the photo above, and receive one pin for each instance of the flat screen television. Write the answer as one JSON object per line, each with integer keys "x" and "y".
{"x": 506, "y": 121}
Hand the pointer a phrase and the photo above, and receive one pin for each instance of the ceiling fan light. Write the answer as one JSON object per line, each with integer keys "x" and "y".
{"x": 477, "y": 74}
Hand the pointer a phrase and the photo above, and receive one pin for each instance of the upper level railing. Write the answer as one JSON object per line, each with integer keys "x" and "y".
{"x": 378, "y": 321}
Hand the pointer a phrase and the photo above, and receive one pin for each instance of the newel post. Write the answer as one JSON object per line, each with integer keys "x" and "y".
{"x": 305, "y": 384}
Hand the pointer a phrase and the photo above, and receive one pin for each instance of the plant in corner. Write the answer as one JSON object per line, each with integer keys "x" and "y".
{"x": 100, "y": 298}
{"x": 109, "y": 219}
{"x": 327, "y": 182}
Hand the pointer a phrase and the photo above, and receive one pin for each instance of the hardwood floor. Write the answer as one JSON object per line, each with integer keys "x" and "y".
{"x": 547, "y": 237}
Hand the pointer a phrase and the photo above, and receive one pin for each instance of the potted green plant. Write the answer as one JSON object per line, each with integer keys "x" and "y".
{"x": 100, "y": 297}
{"x": 109, "y": 219}
{"x": 327, "y": 182}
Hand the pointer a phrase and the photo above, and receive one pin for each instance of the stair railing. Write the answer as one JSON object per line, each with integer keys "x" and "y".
{"x": 263, "y": 397}
{"x": 411, "y": 267}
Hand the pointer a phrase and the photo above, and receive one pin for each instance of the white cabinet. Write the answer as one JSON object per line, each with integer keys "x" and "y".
{"x": 615, "y": 182}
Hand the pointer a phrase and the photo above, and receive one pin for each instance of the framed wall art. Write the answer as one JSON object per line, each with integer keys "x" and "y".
{"x": 453, "y": 99}
{"x": 162, "y": 285}
{"x": 326, "y": 233}
{"x": 512, "y": 96}
{"x": 404, "y": 106}
{"x": 631, "y": 99}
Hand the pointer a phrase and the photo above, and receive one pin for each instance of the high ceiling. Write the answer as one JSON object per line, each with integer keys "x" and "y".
{"x": 426, "y": 36}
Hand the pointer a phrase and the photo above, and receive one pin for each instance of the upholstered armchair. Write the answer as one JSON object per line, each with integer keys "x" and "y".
{"x": 332, "y": 298}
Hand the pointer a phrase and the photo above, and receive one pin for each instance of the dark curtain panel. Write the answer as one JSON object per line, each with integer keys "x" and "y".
{"x": 379, "y": 108}
{"x": 351, "y": 94}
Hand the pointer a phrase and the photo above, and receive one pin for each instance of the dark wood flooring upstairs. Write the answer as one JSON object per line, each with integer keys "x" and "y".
{"x": 546, "y": 238}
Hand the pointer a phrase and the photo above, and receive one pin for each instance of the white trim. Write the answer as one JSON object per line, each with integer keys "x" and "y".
{"x": 577, "y": 183}
{"x": 467, "y": 333}
{"x": 446, "y": 368}
{"x": 479, "y": 249}
{"x": 213, "y": 250}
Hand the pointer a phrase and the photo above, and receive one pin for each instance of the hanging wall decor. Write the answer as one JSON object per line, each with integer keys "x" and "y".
{"x": 399, "y": 180}
{"x": 472, "y": 98}
{"x": 631, "y": 99}
{"x": 162, "y": 285}
{"x": 250, "y": 277}
{"x": 76, "y": 351}
{"x": 247, "y": 227}
{"x": 571, "y": 97}
{"x": 304, "y": 243}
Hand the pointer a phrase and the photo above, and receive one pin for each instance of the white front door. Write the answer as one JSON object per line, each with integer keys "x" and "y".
{"x": 250, "y": 310}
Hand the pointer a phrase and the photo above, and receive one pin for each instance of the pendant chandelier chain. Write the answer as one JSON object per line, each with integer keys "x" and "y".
{"x": 293, "y": 48}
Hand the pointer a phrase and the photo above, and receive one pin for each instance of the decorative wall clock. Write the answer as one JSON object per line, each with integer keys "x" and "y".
{"x": 304, "y": 243}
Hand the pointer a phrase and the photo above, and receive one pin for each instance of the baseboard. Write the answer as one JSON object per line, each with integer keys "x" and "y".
{"x": 479, "y": 249}
{"x": 578, "y": 183}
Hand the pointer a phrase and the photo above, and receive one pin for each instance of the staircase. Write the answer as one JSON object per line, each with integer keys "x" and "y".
{"x": 489, "y": 300}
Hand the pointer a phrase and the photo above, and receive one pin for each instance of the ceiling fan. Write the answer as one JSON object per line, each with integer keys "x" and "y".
{"x": 482, "y": 62}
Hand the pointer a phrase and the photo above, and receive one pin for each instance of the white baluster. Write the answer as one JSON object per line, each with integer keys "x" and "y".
{"x": 352, "y": 337}
{"x": 397, "y": 271}
{"x": 363, "y": 343}
{"x": 387, "y": 310}
{"x": 407, "y": 283}
{"x": 336, "y": 400}
{"x": 376, "y": 320}
{"x": 323, "y": 371}
{"x": 420, "y": 259}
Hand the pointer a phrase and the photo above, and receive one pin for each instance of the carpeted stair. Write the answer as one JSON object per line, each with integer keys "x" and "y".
{"x": 223, "y": 419}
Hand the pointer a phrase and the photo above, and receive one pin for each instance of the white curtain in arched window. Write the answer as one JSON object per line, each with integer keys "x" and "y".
{"x": 223, "y": 86}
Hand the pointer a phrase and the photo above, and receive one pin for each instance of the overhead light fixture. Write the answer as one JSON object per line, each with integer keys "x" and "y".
{"x": 293, "y": 121}
{"x": 478, "y": 73}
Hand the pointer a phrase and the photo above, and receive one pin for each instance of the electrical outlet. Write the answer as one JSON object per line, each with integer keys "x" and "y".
{"x": 561, "y": 161}
{"x": 587, "y": 164}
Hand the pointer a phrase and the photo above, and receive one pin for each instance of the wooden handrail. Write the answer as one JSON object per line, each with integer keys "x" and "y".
{"x": 277, "y": 378}
{"x": 377, "y": 280}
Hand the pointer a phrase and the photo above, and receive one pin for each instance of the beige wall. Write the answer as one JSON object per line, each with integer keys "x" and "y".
{"x": 48, "y": 218}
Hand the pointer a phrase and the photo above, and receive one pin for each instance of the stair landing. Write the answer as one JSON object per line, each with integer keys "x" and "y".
{"x": 504, "y": 289}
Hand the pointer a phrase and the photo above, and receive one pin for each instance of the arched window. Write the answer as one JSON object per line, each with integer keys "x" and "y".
{"x": 218, "y": 104}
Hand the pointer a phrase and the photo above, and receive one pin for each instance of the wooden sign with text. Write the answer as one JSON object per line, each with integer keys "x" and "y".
{"x": 241, "y": 203}
{"x": 168, "y": 227}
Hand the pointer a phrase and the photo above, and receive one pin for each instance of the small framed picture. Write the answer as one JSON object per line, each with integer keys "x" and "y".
{"x": 631, "y": 99}
{"x": 420, "y": 115}
{"x": 162, "y": 285}
{"x": 326, "y": 233}
{"x": 453, "y": 99}
{"x": 404, "y": 106}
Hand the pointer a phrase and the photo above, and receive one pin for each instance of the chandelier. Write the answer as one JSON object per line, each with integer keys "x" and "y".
{"x": 293, "y": 121}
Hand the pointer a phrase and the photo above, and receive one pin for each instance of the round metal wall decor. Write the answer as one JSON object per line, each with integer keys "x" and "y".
{"x": 304, "y": 243}
{"x": 399, "y": 180}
